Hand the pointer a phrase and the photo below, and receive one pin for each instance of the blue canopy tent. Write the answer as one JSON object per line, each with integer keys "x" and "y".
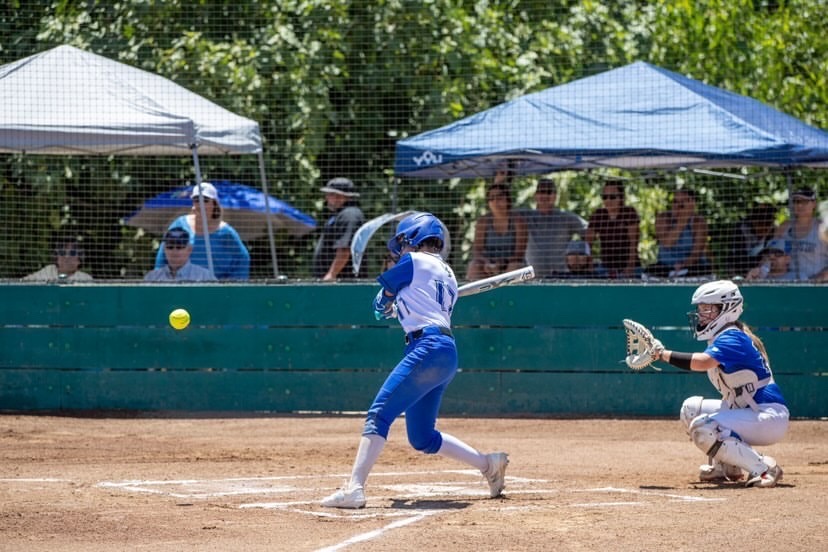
{"x": 635, "y": 117}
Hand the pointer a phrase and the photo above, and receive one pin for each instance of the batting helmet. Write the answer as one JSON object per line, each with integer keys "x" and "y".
{"x": 414, "y": 230}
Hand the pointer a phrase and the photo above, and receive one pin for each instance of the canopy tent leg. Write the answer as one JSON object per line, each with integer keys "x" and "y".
{"x": 267, "y": 210}
{"x": 204, "y": 228}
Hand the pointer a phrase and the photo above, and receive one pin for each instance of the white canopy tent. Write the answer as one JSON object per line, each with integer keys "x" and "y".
{"x": 66, "y": 101}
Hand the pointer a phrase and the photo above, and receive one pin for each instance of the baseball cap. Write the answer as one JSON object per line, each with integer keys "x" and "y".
{"x": 340, "y": 185}
{"x": 777, "y": 244}
{"x": 546, "y": 185}
{"x": 578, "y": 248}
{"x": 806, "y": 193}
{"x": 178, "y": 236}
{"x": 207, "y": 190}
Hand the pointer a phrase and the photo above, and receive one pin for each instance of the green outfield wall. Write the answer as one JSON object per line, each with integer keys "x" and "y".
{"x": 533, "y": 349}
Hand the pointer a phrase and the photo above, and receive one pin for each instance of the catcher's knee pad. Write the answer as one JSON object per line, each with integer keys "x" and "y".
{"x": 691, "y": 408}
{"x": 706, "y": 434}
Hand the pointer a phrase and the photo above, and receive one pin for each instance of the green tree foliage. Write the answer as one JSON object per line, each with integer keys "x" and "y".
{"x": 335, "y": 83}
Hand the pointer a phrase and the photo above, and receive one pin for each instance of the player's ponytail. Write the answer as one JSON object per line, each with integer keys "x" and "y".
{"x": 753, "y": 337}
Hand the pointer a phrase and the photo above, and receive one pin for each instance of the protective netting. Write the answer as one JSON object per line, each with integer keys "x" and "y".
{"x": 663, "y": 140}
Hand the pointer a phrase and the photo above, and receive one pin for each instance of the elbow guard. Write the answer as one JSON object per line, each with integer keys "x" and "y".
{"x": 680, "y": 360}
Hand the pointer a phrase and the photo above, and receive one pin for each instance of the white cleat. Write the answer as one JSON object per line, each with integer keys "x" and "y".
{"x": 496, "y": 473}
{"x": 767, "y": 479}
{"x": 352, "y": 498}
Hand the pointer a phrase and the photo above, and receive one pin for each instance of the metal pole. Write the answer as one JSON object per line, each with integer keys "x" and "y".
{"x": 204, "y": 228}
{"x": 268, "y": 217}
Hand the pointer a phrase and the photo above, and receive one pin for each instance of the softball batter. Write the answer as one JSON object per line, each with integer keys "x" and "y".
{"x": 752, "y": 410}
{"x": 420, "y": 290}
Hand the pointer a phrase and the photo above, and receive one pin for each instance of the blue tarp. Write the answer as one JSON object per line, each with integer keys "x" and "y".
{"x": 635, "y": 117}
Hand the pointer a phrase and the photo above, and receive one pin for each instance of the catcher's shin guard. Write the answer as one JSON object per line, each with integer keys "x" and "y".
{"x": 722, "y": 446}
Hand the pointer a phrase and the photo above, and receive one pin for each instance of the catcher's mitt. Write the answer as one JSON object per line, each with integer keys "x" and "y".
{"x": 642, "y": 348}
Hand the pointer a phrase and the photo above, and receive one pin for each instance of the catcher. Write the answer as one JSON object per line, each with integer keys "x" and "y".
{"x": 751, "y": 411}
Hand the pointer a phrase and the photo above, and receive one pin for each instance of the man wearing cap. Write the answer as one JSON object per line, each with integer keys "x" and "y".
{"x": 333, "y": 250}
{"x": 580, "y": 264}
{"x": 231, "y": 260}
{"x": 178, "y": 246}
{"x": 775, "y": 262}
{"x": 809, "y": 254}
{"x": 550, "y": 230}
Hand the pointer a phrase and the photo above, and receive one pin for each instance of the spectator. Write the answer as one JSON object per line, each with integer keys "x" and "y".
{"x": 775, "y": 261}
{"x": 178, "y": 246}
{"x": 550, "y": 230}
{"x": 682, "y": 239}
{"x": 68, "y": 256}
{"x": 615, "y": 227}
{"x": 499, "y": 237}
{"x": 231, "y": 260}
{"x": 580, "y": 264}
{"x": 333, "y": 250}
{"x": 809, "y": 254}
{"x": 749, "y": 238}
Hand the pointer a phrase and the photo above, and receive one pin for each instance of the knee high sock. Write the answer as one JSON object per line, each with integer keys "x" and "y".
{"x": 370, "y": 447}
{"x": 456, "y": 449}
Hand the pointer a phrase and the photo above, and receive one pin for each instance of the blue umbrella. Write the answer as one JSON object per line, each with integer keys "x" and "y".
{"x": 243, "y": 208}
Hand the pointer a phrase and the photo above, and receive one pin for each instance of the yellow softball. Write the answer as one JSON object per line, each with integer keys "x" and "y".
{"x": 179, "y": 319}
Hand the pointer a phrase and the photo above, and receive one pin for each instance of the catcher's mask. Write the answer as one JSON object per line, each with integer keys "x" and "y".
{"x": 723, "y": 294}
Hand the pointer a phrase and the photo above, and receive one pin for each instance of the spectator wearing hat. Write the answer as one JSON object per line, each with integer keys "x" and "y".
{"x": 550, "y": 229}
{"x": 809, "y": 254}
{"x": 580, "y": 264}
{"x": 231, "y": 260}
{"x": 68, "y": 256}
{"x": 615, "y": 227}
{"x": 178, "y": 246}
{"x": 775, "y": 262}
{"x": 333, "y": 250}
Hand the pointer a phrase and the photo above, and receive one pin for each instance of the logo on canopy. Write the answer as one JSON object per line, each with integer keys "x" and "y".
{"x": 428, "y": 158}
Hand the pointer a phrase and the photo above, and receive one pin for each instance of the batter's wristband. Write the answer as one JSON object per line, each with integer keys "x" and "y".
{"x": 680, "y": 360}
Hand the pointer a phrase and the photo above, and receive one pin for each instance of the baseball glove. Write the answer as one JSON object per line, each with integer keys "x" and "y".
{"x": 642, "y": 348}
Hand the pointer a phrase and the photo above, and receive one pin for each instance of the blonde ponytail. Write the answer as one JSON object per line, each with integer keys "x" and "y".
{"x": 753, "y": 337}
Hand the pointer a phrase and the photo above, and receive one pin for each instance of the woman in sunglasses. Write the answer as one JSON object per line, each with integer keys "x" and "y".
{"x": 68, "y": 255}
{"x": 615, "y": 228}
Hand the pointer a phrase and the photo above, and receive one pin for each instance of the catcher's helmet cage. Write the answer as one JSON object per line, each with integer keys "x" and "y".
{"x": 720, "y": 292}
{"x": 414, "y": 230}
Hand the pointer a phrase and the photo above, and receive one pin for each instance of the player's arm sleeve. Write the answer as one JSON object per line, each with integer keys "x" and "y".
{"x": 398, "y": 276}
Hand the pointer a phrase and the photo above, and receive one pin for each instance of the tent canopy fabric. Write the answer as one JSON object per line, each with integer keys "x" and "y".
{"x": 244, "y": 207}
{"x": 68, "y": 101}
{"x": 639, "y": 116}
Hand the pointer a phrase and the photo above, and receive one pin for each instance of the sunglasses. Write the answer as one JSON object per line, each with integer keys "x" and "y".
{"x": 67, "y": 253}
{"x": 611, "y": 196}
{"x": 175, "y": 245}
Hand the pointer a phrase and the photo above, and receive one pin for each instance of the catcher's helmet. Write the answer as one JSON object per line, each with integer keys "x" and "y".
{"x": 414, "y": 230}
{"x": 721, "y": 292}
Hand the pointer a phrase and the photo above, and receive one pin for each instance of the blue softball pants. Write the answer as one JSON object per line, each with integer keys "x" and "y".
{"x": 416, "y": 387}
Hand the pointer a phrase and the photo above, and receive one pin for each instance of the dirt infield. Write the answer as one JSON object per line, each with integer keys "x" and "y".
{"x": 103, "y": 484}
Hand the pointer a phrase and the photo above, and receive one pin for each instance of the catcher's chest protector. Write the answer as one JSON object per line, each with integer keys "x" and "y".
{"x": 738, "y": 388}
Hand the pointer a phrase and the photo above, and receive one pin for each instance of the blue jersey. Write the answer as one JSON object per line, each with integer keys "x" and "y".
{"x": 425, "y": 290}
{"x": 735, "y": 352}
